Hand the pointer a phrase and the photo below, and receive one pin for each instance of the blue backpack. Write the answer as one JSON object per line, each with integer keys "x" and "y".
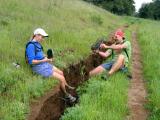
{"x": 36, "y": 49}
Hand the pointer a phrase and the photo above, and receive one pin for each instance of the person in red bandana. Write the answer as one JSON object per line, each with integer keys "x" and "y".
{"x": 120, "y": 52}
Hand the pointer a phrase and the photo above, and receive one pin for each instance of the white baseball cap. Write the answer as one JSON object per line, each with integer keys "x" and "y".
{"x": 40, "y": 31}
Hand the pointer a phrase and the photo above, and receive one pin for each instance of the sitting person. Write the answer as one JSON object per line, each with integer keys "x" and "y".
{"x": 120, "y": 51}
{"x": 41, "y": 64}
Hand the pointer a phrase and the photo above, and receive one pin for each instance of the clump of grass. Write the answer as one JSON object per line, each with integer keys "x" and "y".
{"x": 97, "y": 19}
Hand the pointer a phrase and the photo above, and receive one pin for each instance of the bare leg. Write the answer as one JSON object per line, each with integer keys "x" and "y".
{"x": 57, "y": 70}
{"x": 62, "y": 81}
{"x": 61, "y": 73}
{"x": 117, "y": 65}
{"x": 96, "y": 71}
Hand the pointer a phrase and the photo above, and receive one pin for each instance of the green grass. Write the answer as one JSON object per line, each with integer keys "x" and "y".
{"x": 101, "y": 100}
{"x": 71, "y": 24}
{"x": 149, "y": 43}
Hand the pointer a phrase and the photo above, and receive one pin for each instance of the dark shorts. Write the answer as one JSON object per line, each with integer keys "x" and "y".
{"x": 108, "y": 66}
{"x": 43, "y": 69}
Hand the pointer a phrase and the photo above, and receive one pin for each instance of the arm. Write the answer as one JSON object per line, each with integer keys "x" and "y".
{"x": 31, "y": 56}
{"x": 115, "y": 47}
{"x": 104, "y": 54}
{"x": 41, "y": 61}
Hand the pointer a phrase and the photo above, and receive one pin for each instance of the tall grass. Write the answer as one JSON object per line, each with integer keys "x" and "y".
{"x": 101, "y": 100}
{"x": 149, "y": 41}
{"x": 71, "y": 24}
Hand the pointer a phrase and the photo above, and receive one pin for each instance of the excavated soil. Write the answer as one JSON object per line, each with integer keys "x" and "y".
{"x": 137, "y": 92}
{"x": 52, "y": 105}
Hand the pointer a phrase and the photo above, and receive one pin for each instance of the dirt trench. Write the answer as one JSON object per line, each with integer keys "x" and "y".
{"x": 52, "y": 105}
{"x": 137, "y": 92}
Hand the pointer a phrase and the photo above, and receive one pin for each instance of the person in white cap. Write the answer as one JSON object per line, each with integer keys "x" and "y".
{"x": 41, "y": 64}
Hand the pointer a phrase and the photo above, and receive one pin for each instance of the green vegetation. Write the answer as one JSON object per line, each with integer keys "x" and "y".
{"x": 149, "y": 43}
{"x": 120, "y": 7}
{"x": 101, "y": 100}
{"x": 150, "y": 10}
{"x": 72, "y": 25}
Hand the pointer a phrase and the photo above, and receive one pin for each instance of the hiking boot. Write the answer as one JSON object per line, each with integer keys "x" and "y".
{"x": 71, "y": 98}
{"x": 16, "y": 65}
{"x": 104, "y": 77}
{"x": 129, "y": 76}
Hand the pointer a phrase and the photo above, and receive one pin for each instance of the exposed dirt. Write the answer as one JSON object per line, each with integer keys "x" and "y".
{"x": 52, "y": 105}
{"x": 137, "y": 91}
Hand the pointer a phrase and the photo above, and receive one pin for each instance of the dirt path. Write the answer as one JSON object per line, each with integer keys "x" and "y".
{"x": 137, "y": 91}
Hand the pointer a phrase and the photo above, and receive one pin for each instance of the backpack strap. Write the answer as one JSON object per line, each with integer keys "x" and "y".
{"x": 112, "y": 53}
{"x": 124, "y": 49}
{"x": 35, "y": 49}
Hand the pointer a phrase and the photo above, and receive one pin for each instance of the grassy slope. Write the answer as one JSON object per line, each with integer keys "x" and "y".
{"x": 71, "y": 24}
{"x": 149, "y": 41}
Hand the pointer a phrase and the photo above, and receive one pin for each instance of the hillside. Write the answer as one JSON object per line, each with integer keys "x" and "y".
{"x": 73, "y": 26}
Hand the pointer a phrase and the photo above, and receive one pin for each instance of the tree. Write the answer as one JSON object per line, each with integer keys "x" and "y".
{"x": 150, "y": 10}
{"x": 120, "y": 7}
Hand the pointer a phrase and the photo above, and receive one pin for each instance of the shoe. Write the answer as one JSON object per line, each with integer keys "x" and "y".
{"x": 16, "y": 65}
{"x": 104, "y": 77}
{"x": 71, "y": 98}
{"x": 129, "y": 76}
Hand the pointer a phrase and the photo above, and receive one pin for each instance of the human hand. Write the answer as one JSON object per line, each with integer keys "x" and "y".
{"x": 96, "y": 51}
{"x": 103, "y": 45}
{"x": 48, "y": 60}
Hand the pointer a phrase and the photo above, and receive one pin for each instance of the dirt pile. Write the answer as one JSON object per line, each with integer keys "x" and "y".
{"x": 53, "y": 104}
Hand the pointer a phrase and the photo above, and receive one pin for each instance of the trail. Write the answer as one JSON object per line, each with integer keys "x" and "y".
{"x": 137, "y": 92}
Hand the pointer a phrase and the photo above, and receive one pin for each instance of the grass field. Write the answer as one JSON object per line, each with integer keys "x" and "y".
{"x": 68, "y": 27}
{"x": 72, "y": 25}
{"x": 149, "y": 42}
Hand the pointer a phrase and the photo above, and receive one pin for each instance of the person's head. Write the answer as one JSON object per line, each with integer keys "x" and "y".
{"x": 119, "y": 36}
{"x": 39, "y": 34}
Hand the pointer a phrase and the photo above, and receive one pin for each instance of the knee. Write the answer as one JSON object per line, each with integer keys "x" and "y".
{"x": 63, "y": 80}
{"x": 121, "y": 57}
{"x": 62, "y": 73}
